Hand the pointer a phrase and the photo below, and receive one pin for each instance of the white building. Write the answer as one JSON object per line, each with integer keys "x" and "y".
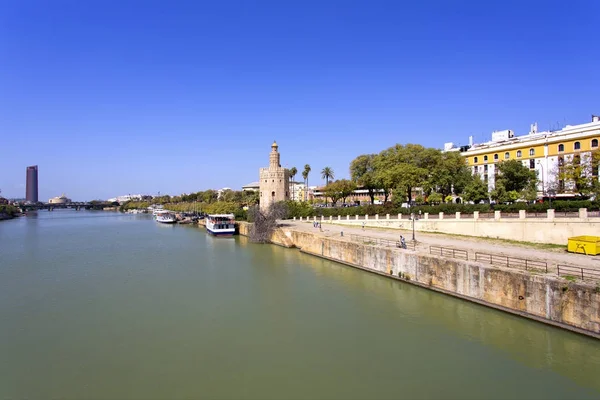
{"x": 126, "y": 198}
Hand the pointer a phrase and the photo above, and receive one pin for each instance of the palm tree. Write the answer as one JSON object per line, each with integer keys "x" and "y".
{"x": 293, "y": 172}
{"x": 327, "y": 174}
{"x": 305, "y": 176}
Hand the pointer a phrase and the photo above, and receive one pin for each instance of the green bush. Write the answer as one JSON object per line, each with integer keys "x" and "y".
{"x": 9, "y": 210}
{"x": 297, "y": 209}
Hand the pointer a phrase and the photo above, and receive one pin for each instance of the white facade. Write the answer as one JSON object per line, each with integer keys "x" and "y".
{"x": 126, "y": 198}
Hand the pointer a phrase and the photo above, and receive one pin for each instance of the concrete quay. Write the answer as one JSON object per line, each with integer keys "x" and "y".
{"x": 570, "y": 304}
{"x": 553, "y": 256}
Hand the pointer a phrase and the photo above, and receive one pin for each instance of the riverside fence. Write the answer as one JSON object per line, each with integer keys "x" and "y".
{"x": 513, "y": 262}
{"x": 489, "y": 258}
{"x": 577, "y": 272}
{"x": 449, "y": 252}
{"x": 380, "y": 242}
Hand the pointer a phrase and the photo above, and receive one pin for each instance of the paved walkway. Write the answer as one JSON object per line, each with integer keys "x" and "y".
{"x": 470, "y": 244}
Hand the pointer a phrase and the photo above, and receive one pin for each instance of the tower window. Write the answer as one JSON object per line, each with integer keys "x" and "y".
{"x": 272, "y": 194}
{"x": 561, "y": 148}
{"x": 506, "y": 155}
{"x": 484, "y": 158}
{"x": 594, "y": 142}
{"x": 495, "y": 157}
{"x": 475, "y": 160}
{"x": 519, "y": 153}
{"x": 577, "y": 146}
{"x": 532, "y": 152}
{"x": 532, "y": 164}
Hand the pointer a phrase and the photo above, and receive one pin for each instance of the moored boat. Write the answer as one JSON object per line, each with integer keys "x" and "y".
{"x": 165, "y": 217}
{"x": 220, "y": 224}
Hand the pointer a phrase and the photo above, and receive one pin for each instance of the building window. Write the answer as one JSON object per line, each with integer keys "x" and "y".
{"x": 577, "y": 160}
{"x": 475, "y": 160}
{"x": 506, "y": 155}
{"x": 485, "y": 168}
{"x": 272, "y": 194}
{"x": 561, "y": 148}
{"x": 561, "y": 161}
{"x": 532, "y": 164}
{"x": 532, "y": 152}
{"x": 577, "y": 146}
{"x": 484, "y": 158}
{"x": 495, "y": 157}
{"x": 594, "y": 142}
{"x": 518, "y": 153}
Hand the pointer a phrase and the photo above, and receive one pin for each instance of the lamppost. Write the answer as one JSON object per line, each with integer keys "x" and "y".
{"x": 543, "y": 184}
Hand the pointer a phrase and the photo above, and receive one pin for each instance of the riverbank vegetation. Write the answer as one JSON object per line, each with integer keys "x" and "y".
{"x": 208, "y": 202}
{"x": 303, "y": 209}
{"x": 8, "y": 211}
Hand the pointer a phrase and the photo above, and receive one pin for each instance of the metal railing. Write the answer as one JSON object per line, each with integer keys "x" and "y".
{"x": 577, "y": 272}
{"x": 374, "y": 241}
{"x": 449, "y": 252}
{"x": 513, "y": 262}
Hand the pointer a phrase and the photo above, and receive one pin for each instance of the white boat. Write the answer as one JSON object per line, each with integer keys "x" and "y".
{"x": 165, "y": 217}
{"x": 220, "y": 224}
{"x": 155, "y": 209}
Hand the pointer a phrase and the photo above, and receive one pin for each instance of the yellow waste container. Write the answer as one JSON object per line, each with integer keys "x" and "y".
{"x": 589, "y": 245}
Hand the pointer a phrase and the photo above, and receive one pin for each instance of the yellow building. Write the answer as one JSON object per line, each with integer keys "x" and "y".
{"x": 543, "y": 152}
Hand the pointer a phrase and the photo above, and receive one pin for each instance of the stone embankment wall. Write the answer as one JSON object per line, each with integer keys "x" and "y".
{"x": 553, "y": 300}
{"x": 524, "y": 229}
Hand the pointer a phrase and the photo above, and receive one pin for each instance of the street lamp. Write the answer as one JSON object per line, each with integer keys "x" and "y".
{"x": 543, "y": 184}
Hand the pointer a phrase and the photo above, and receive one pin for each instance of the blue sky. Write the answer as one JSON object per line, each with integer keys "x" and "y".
{"x": 116, "y": 97}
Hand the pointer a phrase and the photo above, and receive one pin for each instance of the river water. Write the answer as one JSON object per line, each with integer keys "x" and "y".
{"x": 109, "y": 306}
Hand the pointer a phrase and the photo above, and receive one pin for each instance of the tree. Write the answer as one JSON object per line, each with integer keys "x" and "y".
{"x": 476, "y": 190}
{"x": 334, "y": 191}
{"x": 434, "y": 198}
{"x": 327, "y": 174}
{"x": 293, "y": 172}
{"x": 513, "y": 175}
{"x": 209, "y": 196}
{"x": 362, "y": 172}
{"x": 449, "y": 175}
{"x": 305, "y": 176}
{"x": 265, "y": 222}
{"x": 577, "y": 173}
{"x": 346, "y": 187}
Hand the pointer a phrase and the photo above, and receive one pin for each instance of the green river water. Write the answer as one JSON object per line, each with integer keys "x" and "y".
{"x": 99, "y": 305}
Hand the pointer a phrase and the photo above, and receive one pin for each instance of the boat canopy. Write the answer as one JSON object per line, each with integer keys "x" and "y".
{"x": 221, "y": 216}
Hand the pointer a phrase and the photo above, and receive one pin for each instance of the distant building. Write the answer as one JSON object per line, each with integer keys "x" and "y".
{"x": 31, "y": 191}
{"x": 60, "y": 200}
{"x": 251, "y": 187}
{"x": 274, "y": 183}
{"x": 126, "y": 198}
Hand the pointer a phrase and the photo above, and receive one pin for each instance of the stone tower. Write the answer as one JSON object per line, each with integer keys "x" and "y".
{"x": 274, "y": 183}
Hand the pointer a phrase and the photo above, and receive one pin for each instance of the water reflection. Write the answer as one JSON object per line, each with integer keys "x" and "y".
{"x": 127, "y": 308}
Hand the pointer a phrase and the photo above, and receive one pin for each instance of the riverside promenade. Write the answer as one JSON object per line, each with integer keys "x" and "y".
{"x": 552, "y": 255}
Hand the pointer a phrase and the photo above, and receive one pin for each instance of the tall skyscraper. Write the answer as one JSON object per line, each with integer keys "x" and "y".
{"x": 31, "y": 192}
